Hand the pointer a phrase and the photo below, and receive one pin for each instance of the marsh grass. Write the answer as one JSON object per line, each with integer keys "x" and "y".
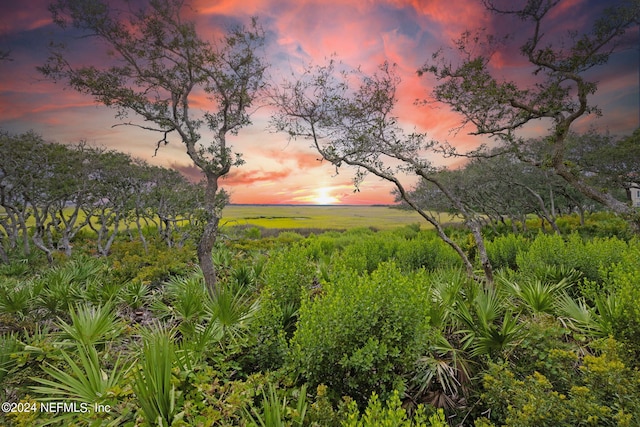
{"x": 322, "y": 217}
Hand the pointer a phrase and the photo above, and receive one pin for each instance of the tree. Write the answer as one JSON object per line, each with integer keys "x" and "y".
{"x": 348, "y": 117}
{"x": 559, "y": 92}
{"x": 14, "y": 174}
{"x": 499, "y": 187}
{"x": 158, "y": 64}
{"x": 115, "y": 188}
{"x": 175, "y": 201}
{"x": 46, "y": 182}
{"x": 607, "y": 161}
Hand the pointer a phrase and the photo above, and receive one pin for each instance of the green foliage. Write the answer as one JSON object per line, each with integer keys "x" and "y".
{"x": 364, "y": 333}
{"x": 15, "y": 268}
{"x": 490, "y": 326}
{"x": 130, "y": 262}
{"x": 535, "y": 295}
{"x": 135, "y": 294}
{"x": 426, "y": 251}
{"x": 232, "y": 311}
{"x": 287, "y": 277}
{"x": 275, "y": 412}
{"x": 597, "y": 224}
{"x": 87, "y": 382}
{"x": 623, "y": 283}
{"x": 605, "y": 394}
{"x": 9, "y": 345}
{"x": 574, "y": 253}
{"x": 365, "y": 254}
{"x": 547, "y": 348}
{"x": 16, "y": 298}
{"x": 503, "y": 250}
{"x": 306, "y": 313}
{"x": 153, "y": 383}
{"x": 187, "y": 298}
{"x": 391, "y": 414}
{"x": 91, "y": 325}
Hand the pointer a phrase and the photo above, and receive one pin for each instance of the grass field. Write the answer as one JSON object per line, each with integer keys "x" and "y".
{"x": 314, "y": 217}
{"x": 323, "y": 217}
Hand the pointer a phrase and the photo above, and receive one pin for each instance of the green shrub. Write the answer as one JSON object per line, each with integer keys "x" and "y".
{"x": 364, "y": 333}
{"x": 624, "y": 281}
{"x": 391, "y": 414}
{"x": 365, "y": 254}
{"x": 130, "y": 262}
{"x": 589, "y": 258}
{"x": 426, "y": 251}
{"x": 287, "y": 276}
{"x": 503, "y": 250}
{"x": 606, "y": 393}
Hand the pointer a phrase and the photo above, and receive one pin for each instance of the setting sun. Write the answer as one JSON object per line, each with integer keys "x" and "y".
{"x": 323, "y": 197}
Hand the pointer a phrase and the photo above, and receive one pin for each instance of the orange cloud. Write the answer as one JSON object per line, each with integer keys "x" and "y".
{"x": 299, "y": 32}
{"x": 244, "y": 177}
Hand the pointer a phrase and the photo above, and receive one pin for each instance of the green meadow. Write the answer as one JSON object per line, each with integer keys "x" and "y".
{"x": 323, "y": 217}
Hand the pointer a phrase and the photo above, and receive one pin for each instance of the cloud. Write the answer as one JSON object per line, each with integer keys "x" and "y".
{"x": 191, "y": 172}
{"x": 299, "y": 32}
{"x": 301, "y": 160}
{"x": 250, "y": 177}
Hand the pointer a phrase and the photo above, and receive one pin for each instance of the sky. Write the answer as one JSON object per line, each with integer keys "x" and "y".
{"x": 358, "y": 32}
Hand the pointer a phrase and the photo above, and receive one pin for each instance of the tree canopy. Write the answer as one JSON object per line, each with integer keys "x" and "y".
{"x": 154, "y": 65}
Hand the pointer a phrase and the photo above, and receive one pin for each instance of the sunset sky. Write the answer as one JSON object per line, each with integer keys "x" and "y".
{"x": 299, "y": 32}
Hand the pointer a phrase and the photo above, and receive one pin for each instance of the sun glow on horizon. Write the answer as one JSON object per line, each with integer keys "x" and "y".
{"x": 323, "y": 197}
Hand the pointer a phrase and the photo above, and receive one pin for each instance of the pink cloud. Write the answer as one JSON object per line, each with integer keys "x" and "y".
{"x": 366, "y": 33}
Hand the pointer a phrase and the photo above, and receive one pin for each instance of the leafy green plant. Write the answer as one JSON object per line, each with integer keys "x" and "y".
{"x": 91, "y": 325}
{"x": 16, "y": 299}
{"x": 135, "y": 294}
{"x": 187, "y": 297}
{"x": 275, "y": 412}
{"x": 489, "y": 323}
{"x": 604, "y": 394}
{"x": 153, "y": 384}
{"x": 87, "y": 381}
{"x": 59, "y": 290}
{"x": 233, "y": 312}
{"x": 391, "y": 414}
{"x": 586, "y": 257}
{"x": 243, "y": 276}
{"x": 503, "y": 250}
{"x": 9, "y": 345}
{"x": 576, "y": 314}
{"x": 15, "y": 268}
{"x": 442, "y": 376}
{"x": 363, "y": 333}
{"x": 537, "y": 296}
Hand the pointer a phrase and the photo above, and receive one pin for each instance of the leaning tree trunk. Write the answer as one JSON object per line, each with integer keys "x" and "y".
{"x": 209, "y": 236}
{"x": 4, "y": 258}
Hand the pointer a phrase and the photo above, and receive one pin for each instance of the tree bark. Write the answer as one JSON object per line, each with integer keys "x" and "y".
{"x": 3, "y": 254}
{"x": 209, "y": 236}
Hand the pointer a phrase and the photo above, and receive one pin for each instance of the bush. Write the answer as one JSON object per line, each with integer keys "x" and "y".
{"x": 607, "y": 393}
{"x": 587, "y": 257}
{"x": 503, "y": 250}
{"x": 363, "y": 334}
{"x": 427, "y": 251}
{"x": 391, "y": 414}
{"x": 365, "y": 254}
{"x": 287, "y": 276}
{"x": 131, "y": 263}
{"x": 624, "y": 281}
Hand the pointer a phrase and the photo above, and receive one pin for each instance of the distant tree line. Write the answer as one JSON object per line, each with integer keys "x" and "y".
{"x": 156, "y": 64}
{"x": 500, "y": 188}
{"x": 50, "y": 191}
